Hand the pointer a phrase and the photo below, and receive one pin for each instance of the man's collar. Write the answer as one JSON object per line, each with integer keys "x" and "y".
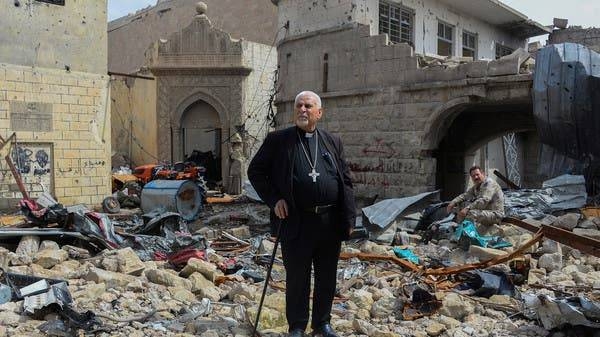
{"x": 305, "y": 134}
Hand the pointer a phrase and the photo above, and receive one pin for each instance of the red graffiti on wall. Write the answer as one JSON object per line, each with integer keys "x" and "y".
{"x": 369, "y": 179}
{"x": 355, "y": 167}
{"x": 379, "y": 149}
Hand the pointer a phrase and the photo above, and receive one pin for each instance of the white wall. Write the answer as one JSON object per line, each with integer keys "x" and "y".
{"x": 38, "y": 34}
{"x": 309, "y": 16}
{"x": 257, "y": 90}
{"x": 429, "y": 12}
{"x": 258, "y": 85}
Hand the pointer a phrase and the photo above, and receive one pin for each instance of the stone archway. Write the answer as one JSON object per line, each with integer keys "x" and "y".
{"x": 200, "y": 131}
{"x": 468, "y": 129}
{"x": 199, "y": 112}
{"x": 441, "y": 119}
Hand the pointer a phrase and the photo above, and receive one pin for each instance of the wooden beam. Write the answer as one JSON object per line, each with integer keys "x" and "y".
{"x": 582, "y": 243}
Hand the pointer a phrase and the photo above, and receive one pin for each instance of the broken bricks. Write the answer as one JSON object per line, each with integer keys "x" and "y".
{"x": 375, "y": 286}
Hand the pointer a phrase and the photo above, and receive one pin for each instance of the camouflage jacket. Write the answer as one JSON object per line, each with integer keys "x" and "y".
{"x": 487, "y": 196}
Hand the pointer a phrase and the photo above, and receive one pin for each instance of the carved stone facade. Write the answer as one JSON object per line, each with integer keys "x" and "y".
{"x": 178, "y": 91}
{"x": 202, "y": 64}
{"x": 197, "y": 76}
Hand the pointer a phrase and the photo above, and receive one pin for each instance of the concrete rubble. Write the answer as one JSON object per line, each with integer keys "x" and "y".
{"x": 119, "y": 292}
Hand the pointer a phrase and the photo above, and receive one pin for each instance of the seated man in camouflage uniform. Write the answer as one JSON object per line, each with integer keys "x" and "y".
{"x": 483, "y": 202}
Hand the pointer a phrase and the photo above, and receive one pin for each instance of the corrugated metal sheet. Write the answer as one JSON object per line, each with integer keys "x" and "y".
{"x": 566, "y": 99}
{"x": 386, "y": 211}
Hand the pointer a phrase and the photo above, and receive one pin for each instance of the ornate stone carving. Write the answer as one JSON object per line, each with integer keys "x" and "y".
{"x": 199, "y": 46}
{"x": 176, "y": 93}
{"x": 199, "y": 62}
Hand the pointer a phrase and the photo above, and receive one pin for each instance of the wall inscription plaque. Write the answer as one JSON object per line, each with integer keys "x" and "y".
{"x": 31, "y": 116}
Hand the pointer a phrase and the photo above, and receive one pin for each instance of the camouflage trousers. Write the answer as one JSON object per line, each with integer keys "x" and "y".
{"x": 485, "y": 217}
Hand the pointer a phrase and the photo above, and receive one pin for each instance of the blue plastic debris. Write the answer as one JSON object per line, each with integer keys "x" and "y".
{"x": 468, "y": 230}
{"x": 406, "y": 254}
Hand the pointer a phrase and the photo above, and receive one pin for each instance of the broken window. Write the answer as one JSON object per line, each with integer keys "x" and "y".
{"x": 54, "y": 2}
{"x": 469, "y": 44}
{"x": 445, "y": 39}
{"x": 502, "y": 50}
{"x": 397, "y": 22}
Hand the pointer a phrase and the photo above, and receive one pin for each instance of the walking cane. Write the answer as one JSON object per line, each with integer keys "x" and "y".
{"x": 262, "y": 297}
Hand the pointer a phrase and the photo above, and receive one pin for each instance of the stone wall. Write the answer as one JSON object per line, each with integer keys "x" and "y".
{"x": 62, "y": 127}
{"x": 589, "y": 37}
{"x": 393, "y": 115}
{"x": 133, "y": 114}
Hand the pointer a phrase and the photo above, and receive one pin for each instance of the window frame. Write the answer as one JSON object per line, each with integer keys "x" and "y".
{"x": 452, "y": 41}
{"x": 53, "y": 2}
{"x": 475, "y": 43}
{"x": 502, "y": 51}
{"x": 385, "y": 23}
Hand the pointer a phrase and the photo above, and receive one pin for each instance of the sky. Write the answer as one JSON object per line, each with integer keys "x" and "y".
{"x": 584, "y": 13}
{"x": 119, "y": 8}
{"x": 579, "y": 12}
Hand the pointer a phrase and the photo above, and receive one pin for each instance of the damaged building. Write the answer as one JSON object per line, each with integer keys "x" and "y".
{"x": 410, "y": 124}
{"x": 203, "y": 83}
{"x": 54, "y": 113}
{"x": 419, "y": 90}
{"x": 589, "y": 37}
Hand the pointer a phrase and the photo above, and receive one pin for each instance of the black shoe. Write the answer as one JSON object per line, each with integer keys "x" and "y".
{"x": 324, "y": 331}
{"x": 296, "y": 333}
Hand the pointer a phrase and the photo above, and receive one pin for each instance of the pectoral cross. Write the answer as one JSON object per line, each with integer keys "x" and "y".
{"x": 314, "y": 174}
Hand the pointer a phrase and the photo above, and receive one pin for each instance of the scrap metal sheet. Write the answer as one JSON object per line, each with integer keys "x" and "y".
{"x": 559, "y": 193}
{"x": 556, "y": 313}
{"x": 384, "y": 212}
{"x": 566, "y": 103}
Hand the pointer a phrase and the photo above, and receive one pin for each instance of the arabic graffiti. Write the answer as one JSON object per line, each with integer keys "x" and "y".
{"x": 34, "y": 163}
{"x": 29, "y": 163}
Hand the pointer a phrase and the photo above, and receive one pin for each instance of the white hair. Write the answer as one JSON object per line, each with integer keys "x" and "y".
{"x": 308, "y": 93}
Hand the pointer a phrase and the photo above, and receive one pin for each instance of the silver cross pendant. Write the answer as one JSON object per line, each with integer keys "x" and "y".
{"x": 314, "y": 174}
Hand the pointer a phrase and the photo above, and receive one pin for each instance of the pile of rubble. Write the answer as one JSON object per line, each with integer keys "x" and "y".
{"x": 518, "y": 62}
{"x": 66, "y": 286}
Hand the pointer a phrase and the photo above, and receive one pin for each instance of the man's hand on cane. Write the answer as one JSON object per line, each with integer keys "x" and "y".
{"x": 281, "y": 209}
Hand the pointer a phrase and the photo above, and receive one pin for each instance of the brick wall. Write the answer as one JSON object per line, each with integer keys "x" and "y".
{"x": 62, "y": 127}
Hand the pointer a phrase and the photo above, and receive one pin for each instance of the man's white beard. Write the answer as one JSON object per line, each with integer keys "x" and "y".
{"x": 301, "y": 123}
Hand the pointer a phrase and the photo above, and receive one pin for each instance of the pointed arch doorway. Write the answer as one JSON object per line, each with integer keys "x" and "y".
{"x": 201, "y": 138}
